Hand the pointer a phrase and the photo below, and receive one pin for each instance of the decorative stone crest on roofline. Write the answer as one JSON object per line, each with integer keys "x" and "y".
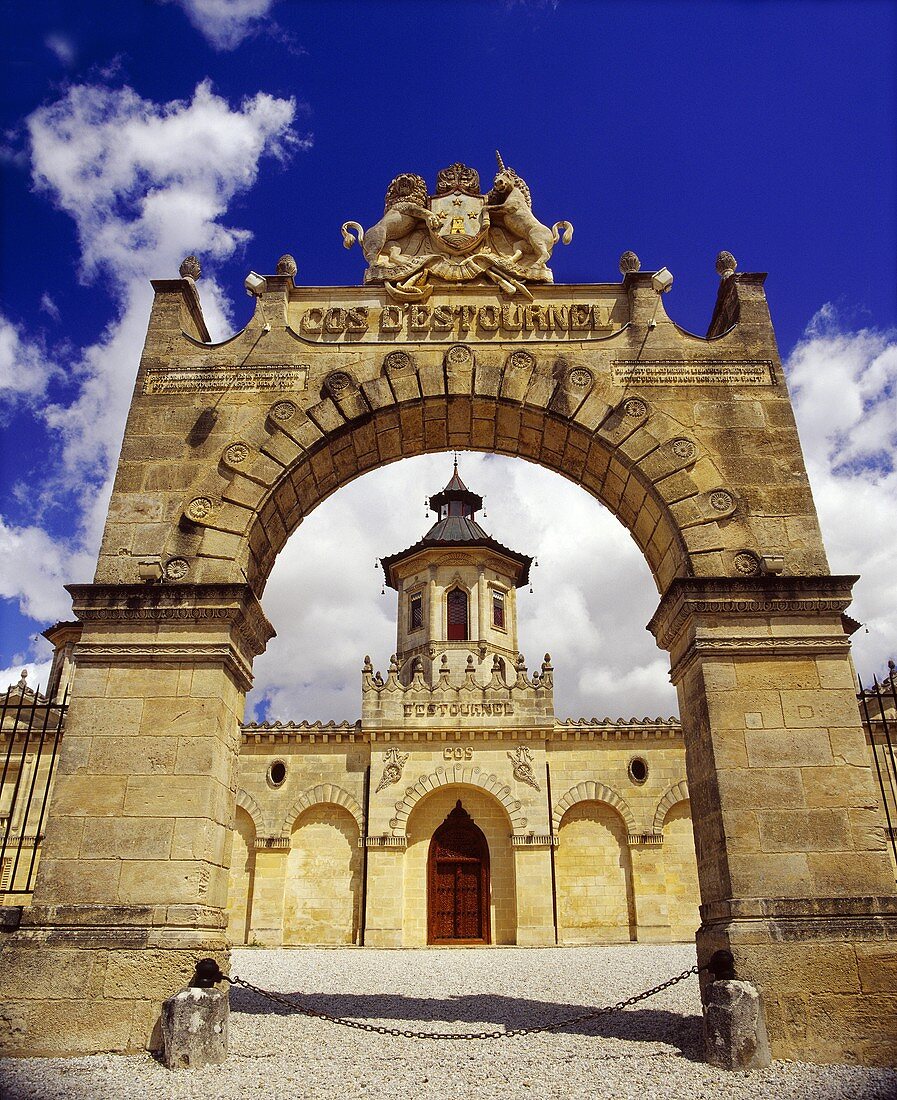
{"x": 457, "y": 235}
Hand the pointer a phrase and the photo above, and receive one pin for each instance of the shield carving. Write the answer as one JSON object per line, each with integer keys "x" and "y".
{"x": 462, "y": 221}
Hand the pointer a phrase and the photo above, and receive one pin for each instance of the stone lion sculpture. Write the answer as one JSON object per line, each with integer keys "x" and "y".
{"x": 510, "y": 203}
{"x": 404, "y": 207}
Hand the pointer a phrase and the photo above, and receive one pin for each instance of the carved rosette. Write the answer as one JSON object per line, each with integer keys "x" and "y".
{"x": 394, "y": 763}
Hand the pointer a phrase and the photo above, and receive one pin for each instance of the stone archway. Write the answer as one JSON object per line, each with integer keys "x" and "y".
{"x": 690, "y": 442}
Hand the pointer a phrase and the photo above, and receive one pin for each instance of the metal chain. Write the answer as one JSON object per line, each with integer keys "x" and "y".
{"x": 287, "y": 1002}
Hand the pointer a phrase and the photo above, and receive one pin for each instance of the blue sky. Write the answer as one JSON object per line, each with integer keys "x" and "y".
{"x": 135, "y": 132}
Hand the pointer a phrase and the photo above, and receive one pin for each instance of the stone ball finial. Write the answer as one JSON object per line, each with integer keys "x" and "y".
{"x": 629, "y": 263}
{"x": 726, "y": 264}
{"x": 286, "y": 265}
{"x": 190, "y": 268}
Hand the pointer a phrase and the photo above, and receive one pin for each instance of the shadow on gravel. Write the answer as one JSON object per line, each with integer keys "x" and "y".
{"x": 472, "y": 1012}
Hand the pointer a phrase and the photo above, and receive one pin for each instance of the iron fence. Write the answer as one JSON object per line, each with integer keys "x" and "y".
{"x": 879, "y": 708}
{"x": 31, "y": 728}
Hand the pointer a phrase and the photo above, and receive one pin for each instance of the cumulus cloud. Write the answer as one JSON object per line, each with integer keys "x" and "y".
{"x": 25, "y": 366}
{"x": 129, "y": 173}
{"x": 226, "y": 23}
{"x": 49, "y": 306}
{"x": 844, "y": 386}
{"x": 34, "y": 566}
{"x": 62, "y": 47}
{"x": 126, "y": 170}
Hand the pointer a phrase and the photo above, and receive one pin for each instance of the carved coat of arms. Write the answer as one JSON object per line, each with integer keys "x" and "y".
{"x": 457, "y": 235}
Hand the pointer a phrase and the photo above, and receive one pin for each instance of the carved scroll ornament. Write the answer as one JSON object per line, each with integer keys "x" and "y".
{"x": 392, "y": 769}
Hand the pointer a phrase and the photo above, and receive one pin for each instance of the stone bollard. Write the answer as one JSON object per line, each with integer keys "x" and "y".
{"x": 194, "y": 1021}
{"x": 734, "y": 1027}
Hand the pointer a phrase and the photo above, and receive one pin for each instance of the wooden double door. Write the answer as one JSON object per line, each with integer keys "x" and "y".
{"x": 458, "y": 882}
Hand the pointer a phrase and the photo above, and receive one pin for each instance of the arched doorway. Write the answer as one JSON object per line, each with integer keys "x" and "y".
{"x": 458, "y": 882}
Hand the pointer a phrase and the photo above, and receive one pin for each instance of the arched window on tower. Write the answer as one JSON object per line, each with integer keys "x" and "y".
{"x": 457, "y": 615}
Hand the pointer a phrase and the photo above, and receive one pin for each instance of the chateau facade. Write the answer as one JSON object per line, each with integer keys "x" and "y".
{"x": 459, "y": 809}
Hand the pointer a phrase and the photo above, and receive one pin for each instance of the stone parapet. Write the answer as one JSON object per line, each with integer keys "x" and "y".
{"x": 451, "y": 704}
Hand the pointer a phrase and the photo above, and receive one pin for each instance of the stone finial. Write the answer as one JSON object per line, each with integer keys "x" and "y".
{"x": 286, "y": 265}
{"x": 726, "y": 264}
{"x": 367, "y": 667}
{"x": 629, "y": 263}
{"x": 22, "y": 685}
{"x": 190, "y": 268}
{"x": 470, "y": 660}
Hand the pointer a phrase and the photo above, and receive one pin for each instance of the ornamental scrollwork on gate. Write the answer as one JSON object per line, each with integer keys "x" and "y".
{"x": 392, "y": 768}
{"x": 521, "y": 763}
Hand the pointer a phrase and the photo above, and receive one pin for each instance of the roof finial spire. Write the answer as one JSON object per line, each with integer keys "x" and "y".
{"x": 455, "y": 457}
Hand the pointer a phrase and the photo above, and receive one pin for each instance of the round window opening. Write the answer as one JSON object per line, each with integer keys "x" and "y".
{"x": 638, "y": 770}
{"x": 277, "y": 773}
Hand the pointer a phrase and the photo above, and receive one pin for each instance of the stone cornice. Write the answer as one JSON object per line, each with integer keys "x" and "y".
{"x": 232, "y": 605}
{"x": 743, "y": 599}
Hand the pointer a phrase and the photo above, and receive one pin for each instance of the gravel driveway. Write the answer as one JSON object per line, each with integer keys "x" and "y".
{"x": 648, "y": 1052}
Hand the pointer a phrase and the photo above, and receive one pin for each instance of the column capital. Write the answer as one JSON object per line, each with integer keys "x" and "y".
{"x": 752, "y": 616}
{"x": 140, "y": 623}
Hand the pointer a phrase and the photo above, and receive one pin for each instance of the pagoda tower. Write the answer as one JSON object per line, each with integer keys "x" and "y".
{"x": 457, "y": 589}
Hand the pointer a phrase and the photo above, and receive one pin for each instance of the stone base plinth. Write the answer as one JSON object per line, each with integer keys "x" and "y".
{"x": 72, "y": 987}
{"x": 826, "y": 967}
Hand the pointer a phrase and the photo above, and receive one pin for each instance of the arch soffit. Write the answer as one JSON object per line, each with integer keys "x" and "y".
{"x": 632, "y": 458}
{"x": 316, "y": 796}
{"x": 677, "y": 793}
{"x": 590, "y": 791}
{"x": 246, "y": 802}
{"x": 457, "y": 775}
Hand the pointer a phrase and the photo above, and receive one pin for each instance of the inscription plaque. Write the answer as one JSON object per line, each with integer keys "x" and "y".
{"x": 708, "y": 372}
{"x": 273, "y": 376}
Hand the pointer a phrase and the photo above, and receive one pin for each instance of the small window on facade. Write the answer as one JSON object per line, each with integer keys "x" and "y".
{"x": 457, "y": 615}
{"x": 416, "y": 612}
{"x": 638, "y": 770}
{"x": 498, "y": 609}
{"x": 277, "y": 773}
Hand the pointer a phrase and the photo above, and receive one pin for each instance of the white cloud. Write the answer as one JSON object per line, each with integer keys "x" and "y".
{"x": 226, "y": 23}
{"x": 36, "y": 661}
{"x": 34, "y": 567}
{"x": 129, "y": 173}
{"x": 145, "y": 181}
{"x": 25, "y": 367}
{"x": 49, "y": 307}
{"x": 844, "y": 386}
{"x": 62, "y": 47}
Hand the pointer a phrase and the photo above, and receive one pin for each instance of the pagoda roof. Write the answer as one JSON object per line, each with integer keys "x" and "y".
{"x": 454, "y": 533}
